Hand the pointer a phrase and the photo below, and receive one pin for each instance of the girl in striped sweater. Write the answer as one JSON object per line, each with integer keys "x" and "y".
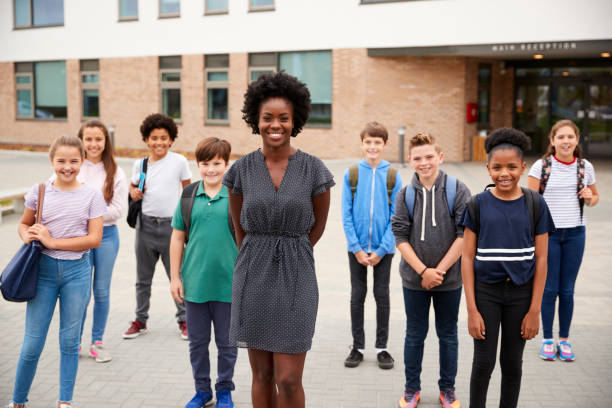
{"x": 71, "y": 225}
{"x": 567, "y": 183}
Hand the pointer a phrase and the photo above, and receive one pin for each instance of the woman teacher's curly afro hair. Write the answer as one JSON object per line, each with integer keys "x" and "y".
{"x": 278, "y": 85}
{"x": 507, "y": 138}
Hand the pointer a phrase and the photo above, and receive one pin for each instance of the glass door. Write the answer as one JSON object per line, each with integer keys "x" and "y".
{"x": 531, "y": 114}
{"x": 597, "y": 131}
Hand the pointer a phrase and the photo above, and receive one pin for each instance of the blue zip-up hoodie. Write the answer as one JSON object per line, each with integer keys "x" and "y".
{"x": 367, "y": 218}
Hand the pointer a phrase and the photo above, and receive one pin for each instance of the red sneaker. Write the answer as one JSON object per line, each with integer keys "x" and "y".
{"x": 136, "y": 329}
{"x": 183, "y": 330}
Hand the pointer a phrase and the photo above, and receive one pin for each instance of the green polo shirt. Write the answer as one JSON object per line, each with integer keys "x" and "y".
{"x": 208, "y": 259}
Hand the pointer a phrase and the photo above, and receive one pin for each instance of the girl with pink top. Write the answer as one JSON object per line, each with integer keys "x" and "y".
{"x": 71, "y": 225}
{"x": 101, "y": 172}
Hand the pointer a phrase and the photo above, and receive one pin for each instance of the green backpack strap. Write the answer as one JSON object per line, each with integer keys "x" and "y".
{"x": 391, "y": 176}
{"x": 353, "y": 179}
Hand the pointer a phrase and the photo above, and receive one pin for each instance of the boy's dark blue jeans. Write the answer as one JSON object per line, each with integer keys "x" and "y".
{"x": 446, "y": 307}
{"x": 565, "y": 250}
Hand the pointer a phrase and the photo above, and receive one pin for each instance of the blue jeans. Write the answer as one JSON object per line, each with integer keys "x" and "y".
{"x": 199, "y": 318}
{"x": 565, "y": 250}
{"x": 102, "y": 260}
{"x": 446, "y": 307}
{"x": 68, "y": 280}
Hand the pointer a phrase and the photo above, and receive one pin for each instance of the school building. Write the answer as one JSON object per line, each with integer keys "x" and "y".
{"x": 453, "y": 68}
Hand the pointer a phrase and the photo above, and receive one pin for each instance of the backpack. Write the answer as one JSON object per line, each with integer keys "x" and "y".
{"x": 354, "y": 179}
{"x": 534, "y": 206}
{"x": 547, "y": 167}
{"x": 187, "y": 197}
{"x": 451, "y": 193}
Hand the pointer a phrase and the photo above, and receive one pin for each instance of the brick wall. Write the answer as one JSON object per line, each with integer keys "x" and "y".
{"x": 425, "y": 94}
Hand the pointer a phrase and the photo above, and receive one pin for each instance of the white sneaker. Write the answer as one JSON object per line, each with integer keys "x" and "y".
{"x": 99, "y": 353}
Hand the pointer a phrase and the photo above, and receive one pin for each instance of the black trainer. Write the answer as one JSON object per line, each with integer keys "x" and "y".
{"x": 353, "y": 359}
{"x": 385, "y": 361}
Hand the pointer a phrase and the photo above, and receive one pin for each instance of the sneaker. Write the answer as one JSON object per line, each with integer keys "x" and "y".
{"x": 410, "y": 399}
{"x": 99, "y": 353}
{"x": 199, "y": 400}
{"x": 61, "y": 404}
{"x": 15, "y": 405}
{"x": 548, "y": 352}
{"x": 183, "y": 330}
{"x": 565, "y": 351}
{"x": 385, "y": 361}
{"x": 354, "y": 358}
{"x": 448, "y": 399}
{"x": 136, "y": 329}
{"x": 224, "y": 399}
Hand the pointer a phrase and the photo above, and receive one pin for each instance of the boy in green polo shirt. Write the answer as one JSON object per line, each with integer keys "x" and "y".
{"x": 203, "y": 281}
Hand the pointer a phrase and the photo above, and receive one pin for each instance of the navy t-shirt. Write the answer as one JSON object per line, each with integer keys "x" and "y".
{"x": 504, "y": 247}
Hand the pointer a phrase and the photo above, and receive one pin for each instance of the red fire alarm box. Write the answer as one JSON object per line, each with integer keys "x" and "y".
{"x": 472, "y": 112}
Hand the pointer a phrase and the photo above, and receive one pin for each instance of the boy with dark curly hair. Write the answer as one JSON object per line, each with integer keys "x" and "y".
{"x": 165, "y": 175}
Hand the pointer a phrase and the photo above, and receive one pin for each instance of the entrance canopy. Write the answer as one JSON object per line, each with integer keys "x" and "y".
{"x": 507, "y": 51}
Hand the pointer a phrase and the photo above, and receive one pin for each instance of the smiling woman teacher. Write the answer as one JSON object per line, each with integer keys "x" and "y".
{"x": 280, "y": 195}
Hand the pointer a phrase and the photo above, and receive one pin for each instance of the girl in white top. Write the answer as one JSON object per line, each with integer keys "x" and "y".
{"x": 567, "y": 183}
{"x": 101, "y": 172}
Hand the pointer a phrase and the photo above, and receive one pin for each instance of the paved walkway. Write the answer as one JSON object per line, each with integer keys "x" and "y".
{"x": 153, "y": 370}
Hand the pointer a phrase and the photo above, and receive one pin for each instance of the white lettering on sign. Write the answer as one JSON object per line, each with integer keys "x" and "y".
{"x": 534, "y": 46}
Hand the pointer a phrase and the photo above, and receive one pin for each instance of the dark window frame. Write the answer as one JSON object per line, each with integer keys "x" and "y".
{"x": 212, "y": 68}
{"x": 170, "y": 84}
{"x": 484, "y": 87}
{"x": 89, "y": 86}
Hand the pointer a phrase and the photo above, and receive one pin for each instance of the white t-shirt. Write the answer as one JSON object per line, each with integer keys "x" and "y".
{"x": 163, "y": 184}
{"x": 561, "y": 191}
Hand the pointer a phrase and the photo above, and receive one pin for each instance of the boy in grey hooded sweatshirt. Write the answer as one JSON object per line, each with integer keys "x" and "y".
{"x": 430, "y": 240}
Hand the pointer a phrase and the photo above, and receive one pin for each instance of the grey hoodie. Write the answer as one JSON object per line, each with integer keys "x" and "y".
{"x": 429, "y": 235}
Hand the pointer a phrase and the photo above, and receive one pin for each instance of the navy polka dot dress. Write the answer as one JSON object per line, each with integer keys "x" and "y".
{"x": 275, "y": 295}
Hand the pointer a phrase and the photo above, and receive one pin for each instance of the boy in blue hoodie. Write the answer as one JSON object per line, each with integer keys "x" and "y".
{"x": 368, "y": 202}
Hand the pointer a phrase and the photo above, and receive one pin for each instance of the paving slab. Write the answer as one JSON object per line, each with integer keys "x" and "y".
{"x": 154, "y": 371}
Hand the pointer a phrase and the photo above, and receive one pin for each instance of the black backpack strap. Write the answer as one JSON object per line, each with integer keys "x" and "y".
{"x": 580, "y": 184}
{"x": 534, "y": 206}
{"x": 187, "y": 197}
{"x": 546, "y": 167}
{"x": 474, "y": 212}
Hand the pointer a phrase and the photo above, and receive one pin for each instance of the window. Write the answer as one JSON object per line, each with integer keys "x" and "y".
{"x": 90, "y": 88}
{"x": 262, "y": 63}
{"x": 169, "y": 8}
{"x": 38, "y": 13}
{"x": 41, "y": 89}
{"x": 484, "y": 95}
{"x": 215, "y": 6}
{"x": 217, "y": 84}
{"x": 170, "y": 80}
{"x": 314, "y": 68}
{"x": 380, "y": 1}
{"x": 24, "y": 79}
{"x": 128, "y": 10}
{"x": 261, "y": 5}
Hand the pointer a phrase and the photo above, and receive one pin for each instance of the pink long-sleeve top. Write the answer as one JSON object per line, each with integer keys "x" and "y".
{"x": 94, "y": 175}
